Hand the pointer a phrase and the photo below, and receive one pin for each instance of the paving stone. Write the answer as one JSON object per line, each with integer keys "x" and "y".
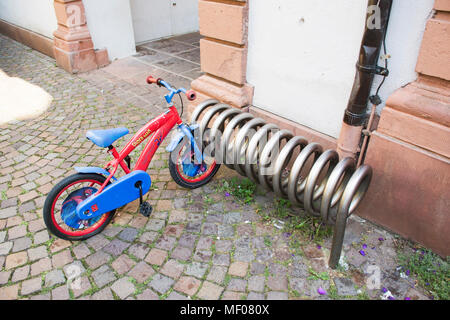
{"x": 62, "y": 258}
{"x": 43, "y": 265}
{"x": 5, "y": 247}
{"x": 156, "y": 256}
{"x": 194, "y": 227}
{"x": 210, "y": 291}
{"x": 41, "y": 237}
{"x": 21, "y": 244}
{"x": 345, "y": 287}
{"x": 277, "y": 283}
{"x": 112, "y": 231}
{"x": 37, "y": 253}
{"x": 177, "y": 216}
{"x": 104, "y": 294}
{"x": 8, "y": 212}
{"x": 4, "y": 277}
{"x": 202, "y": 255}
{"x": 59, "y": 244}
{"x": 97, "y": 242}
{"x": 141, "y": 272}
{"x": 9, "y": 293}
{"x": 231, "y": 295}
{"x": 225, "y": 231}
{"x": 257, "y": 268}
{"x": 2, "y": 236}
{"x": 81, "y": 251}
{"x": 256, "y": 283}
{"x": 187, "y": 285}
{"x": 79, "y": 286}
{"x": 196, "y": 269}
{"x": 138, "y": 250}
{"x": 17, "y": 232}
{"x": 161, "y": 283}
{"x": 123, "y": 264}
{"x": 165, "y": 243}
{"x": 103, "y": 275}
{"x": 277, "y": 269}
{"x": 244, "y": 255}
{"x": 298, "y": 269}
{"x": 16, "y": 260}
{"x": 97, "y": 259}
{"x": 255, "y": 296}
{"x": 31, "y": 286}
{"x": 172, "y": 268}
{"x": 224, "y": 245}
{"x": 217, "y": 274}
{"x": 74, "y": 270}
{"x": 187, "y": 240}
{"x": 238, "y": 269}
{"x": 149, "y": 237}
{"x": 174, "y": 230}
{"x": 116, "y": 247}
{"x": 54, "y": 277}
{"x": 155, "y": 224}
{"x": 176, "y": 296}
{"x": 147, "y": 295}
{"x": 60, "y": 293}
{"x": 128, "y": 234}
{"x": 123, "y": 288}
{"x": 210, "y": 228}
{"x": 221, "y": 260}
{"x": 21, "y": 273}
{"x": 232, "y": 218}
{"x": 237, "y": 285}
{"x": 204, "y": 243}
{"x": 274, "y": 295}
{"x": 181, "y": 253}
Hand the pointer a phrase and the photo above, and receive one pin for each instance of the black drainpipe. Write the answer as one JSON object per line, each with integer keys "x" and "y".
{"x": 367, "y": 66}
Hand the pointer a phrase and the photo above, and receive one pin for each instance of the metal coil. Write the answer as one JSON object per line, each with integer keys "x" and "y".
{"x": 315, "y": 180}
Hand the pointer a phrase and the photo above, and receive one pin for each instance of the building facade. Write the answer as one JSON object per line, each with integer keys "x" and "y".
{"x": 292, "y": 63}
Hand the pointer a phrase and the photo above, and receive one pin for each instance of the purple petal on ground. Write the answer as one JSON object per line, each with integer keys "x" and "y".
{"x": 391, "y": 298}
{"x": 362, "y": 252}
{"x": 373, "y": 248}
{"x": 384, "y": 290}
{"x": 407, "y": 298}
{"x": 364, "y": 246}
{"x": 321, "y": 291}
{"x": 380, "y": 239}
{"x": 227, "y": 194}
{"x": 319, "y": 246}
{"x": 407, "y": 272}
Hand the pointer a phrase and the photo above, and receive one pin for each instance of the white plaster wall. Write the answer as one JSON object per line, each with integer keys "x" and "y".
{"x": 155, "y": 19}
{"x": 302, "y": 55}
{"x": 111, "y": 26}
{"x": 35, "y": 15}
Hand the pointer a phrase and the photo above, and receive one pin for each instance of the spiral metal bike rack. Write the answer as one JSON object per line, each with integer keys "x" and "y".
{"x": 330, "y": 189}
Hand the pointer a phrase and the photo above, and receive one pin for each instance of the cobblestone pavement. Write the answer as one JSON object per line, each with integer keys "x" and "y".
{"x": 199, "y": 244}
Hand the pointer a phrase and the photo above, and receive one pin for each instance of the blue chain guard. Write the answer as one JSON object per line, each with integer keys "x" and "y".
{"x": 68, "y": 212}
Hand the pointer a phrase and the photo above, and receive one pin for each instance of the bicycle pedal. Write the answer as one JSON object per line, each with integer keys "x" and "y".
{"x": 145, "y": 209}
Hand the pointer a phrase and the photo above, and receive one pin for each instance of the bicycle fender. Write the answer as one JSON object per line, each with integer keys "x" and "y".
{"x": 178, "y": 137}
{"x": 115, "y": 195}
{"x": 93, "y": 170}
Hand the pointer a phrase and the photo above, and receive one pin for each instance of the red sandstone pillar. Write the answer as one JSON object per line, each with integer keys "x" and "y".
{"x": 74, "y": 49}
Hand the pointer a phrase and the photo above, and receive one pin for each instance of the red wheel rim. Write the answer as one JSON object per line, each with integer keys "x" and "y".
{"x": 202, "y": 177}
{"x": 83, "y": 232}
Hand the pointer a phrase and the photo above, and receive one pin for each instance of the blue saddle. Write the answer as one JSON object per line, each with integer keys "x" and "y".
{"x": 105, "y": 138}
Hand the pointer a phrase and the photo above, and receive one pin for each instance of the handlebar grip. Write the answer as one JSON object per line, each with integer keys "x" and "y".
{"x": 151, "y": 80}
{"x": 191, "y": 95}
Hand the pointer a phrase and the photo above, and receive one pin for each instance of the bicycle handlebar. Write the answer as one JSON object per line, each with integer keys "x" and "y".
{"x": 190, "y": 94}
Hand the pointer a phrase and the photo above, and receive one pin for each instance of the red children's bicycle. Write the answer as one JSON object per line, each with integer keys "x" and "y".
{"x": 81, "y": 205}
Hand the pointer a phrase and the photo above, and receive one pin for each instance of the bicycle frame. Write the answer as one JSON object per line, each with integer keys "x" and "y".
{"x": 157, "y": 130}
